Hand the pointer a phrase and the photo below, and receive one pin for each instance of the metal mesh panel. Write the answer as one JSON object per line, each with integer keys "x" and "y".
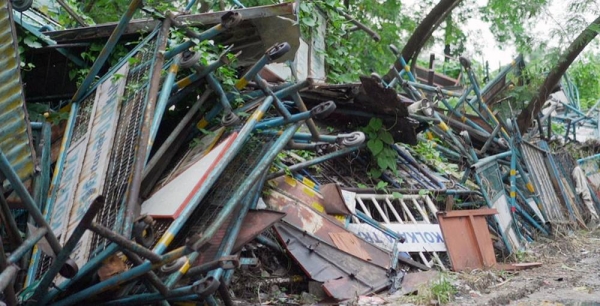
{"x": 565, "y": 165}
{"x": 84, "y": 114}
{"x": 233, "y": 176}
{"x": 492, "y": 181}
{"x": 125, "y": 146}
{"x": 534, "y": 158}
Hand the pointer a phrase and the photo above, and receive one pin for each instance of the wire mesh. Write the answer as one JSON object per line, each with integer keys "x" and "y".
{"x": 491, "y": 179}
{"x": 126, "y": 143}
{"x": 565, "y": 165}
{"x": 82, "y": 121}
{"x": 236, "y": 172}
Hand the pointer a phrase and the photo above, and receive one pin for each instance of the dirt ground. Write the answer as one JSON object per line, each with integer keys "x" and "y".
{"x": 570, "y": 275}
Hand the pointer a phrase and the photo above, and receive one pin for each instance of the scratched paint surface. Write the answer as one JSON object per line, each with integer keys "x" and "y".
{"x": 15, "y": 134}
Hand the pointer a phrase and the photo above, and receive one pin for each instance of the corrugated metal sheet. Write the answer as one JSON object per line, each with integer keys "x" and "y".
{"x": 15, "y": 135}
{"x": 534, "y": 159}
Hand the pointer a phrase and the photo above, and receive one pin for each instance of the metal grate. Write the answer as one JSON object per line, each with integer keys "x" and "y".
{"x": 565, "y": 165}
{"x": 125, "y": 146}
{"x": 491, "y": 179}
{"x": 82, "y": 120}
{"x": 228, "y": 182}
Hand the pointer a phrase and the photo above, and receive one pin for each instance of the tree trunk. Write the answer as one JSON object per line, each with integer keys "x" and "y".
{"x": 535, "y": 105}
{"x": 424, "y": 31}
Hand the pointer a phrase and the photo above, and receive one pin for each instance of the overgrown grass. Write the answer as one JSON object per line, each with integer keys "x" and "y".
{"x": 439, "y": 291}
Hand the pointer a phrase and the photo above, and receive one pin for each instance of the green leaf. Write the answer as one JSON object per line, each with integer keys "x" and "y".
{"x": 381, "y": 185}
{"x": 423, "y": 192}
{"x": 374, "y": 173}
{"x": 309, "y": 21}
{"x": 375, "y": 145}
{"x": 31, "y": 41}
{"x": 375, "y": 124}
{"x": 382, "y": 163}
{"x": 397, "y": 195}
{"x": 386, "y": 137}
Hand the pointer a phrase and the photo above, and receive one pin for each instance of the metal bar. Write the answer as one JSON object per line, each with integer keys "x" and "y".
{"x": 243, "y": 134}
{"x": 28, "y": 202}
{"x": 6, "y": 279}
{"x": 61, "y": 258}
{"x": 148, "y": 298}
{"x": 161, "y": 104}
{"x": 151, "y": 276}
{"x": 246, "y": 185}
{"x": 132, "y": 198}
{"x": 310, "y": 123}
{"x": 279, "y": 121}
{"x": 314, "y": 161}
{"x": 167, "y": 145}
{"x": 277, "y": 103}
{"x": 72, "y": 13}
{"x": 14, "y": 234}
{"x": 124, "y": 242}
{"x": 27, "y": 245}
{"x": 107, "y": 49}
{"x": 488, "y": 142}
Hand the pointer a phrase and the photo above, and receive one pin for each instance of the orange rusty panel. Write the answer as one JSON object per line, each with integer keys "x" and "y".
{"x": 292, "y": 198}
{"x": 349, "y": 243}
{"x": 468, "y": 239}
{"x": 255, "y": 222}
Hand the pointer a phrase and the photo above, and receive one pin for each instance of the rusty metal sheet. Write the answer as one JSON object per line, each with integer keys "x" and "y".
{"x": 413, "y": 281}
{"x": 333, "y": 200}
{"x": 255, "y": 222}
{"x": 15, "y": 133}
{"x": 468, "y": 239}
{"x": 344, "y": 276}
{"x": 311, "y": 220}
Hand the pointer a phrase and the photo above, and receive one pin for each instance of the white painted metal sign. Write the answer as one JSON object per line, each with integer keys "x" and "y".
{"x": 87, "y": 164}
{"x": 419, "y": 237}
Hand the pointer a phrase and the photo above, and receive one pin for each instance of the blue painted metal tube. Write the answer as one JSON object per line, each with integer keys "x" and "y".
{"x": 279, "y": 121}
{"x": 66, "y": 140}
{"x": 527, "y": 217}
{"x": 38, "y": 34}
{"x": 282, "y": 93}
{"x": 216, "y": 86}
{"x": 310, "y": 124}
{"x": 262, "y": 239}
{"x": 8, "y": 172}
{"x": 247, "y": 185}
{"x": 463, "y": 118}
{"x": 27, "y": 245}
{"x": 91, "y": 266}
{"x": 583, "y": 160}
{"x": 107, "y": 49}
{"x": 61, "y": 258}
{"x": 256, "y": 180}
{"x": 416, "y": 166}
{"x": 483, "y": 105}
{"x": 277, "y": 103}
{"x": 250, "y": 74}
{"x": 208, "y": 34}
{"x": 161, "y": 104}
{"x": 186, "y": 292}
{"x": 486, "y": 160}
{"x": 370, "y": 221}
{"x": 305, "y": 136}
{"x": 189, "y": 5}
{"x": 197, "y": 76}
{"x": 236, "y": 146}
{"x": 121, "y": 278}
{"x": 315, "y": 161}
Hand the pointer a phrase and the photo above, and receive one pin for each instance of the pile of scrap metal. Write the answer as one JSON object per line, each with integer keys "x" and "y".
{"x": 142, "y": 208}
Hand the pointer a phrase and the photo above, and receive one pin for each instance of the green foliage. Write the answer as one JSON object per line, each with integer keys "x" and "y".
{"x": 426, "y": 151}
{"x": 585, "y": 73}
{"x": 379, "y": 144}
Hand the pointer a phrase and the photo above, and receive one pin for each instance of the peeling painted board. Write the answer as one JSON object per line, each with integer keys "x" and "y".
{"x": 318, "y": 224}
{"x": 66, "y": 190}
{"x": 302, "y": 192}
{"x": 100, "y": 138}
{"x": 326, "y": 263}
{"x": 506, "y": 221}
{"x": 419, "y": 237}
{"x": 350, "y": 244}
{"x": 169, "y": 201}
{"x": 15, "y": 134}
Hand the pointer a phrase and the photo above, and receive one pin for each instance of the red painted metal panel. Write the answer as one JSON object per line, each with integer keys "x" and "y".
{"x": 468, "y": 239}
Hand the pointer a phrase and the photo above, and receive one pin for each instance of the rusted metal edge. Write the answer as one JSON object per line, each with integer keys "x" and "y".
{"x": 146, "y": 25}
